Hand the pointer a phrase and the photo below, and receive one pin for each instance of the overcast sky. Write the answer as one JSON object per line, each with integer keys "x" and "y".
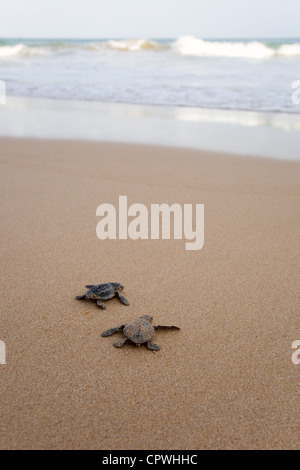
{"x": 149, "y": 18}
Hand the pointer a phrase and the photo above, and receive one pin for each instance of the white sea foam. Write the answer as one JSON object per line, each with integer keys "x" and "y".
{"x": 189, "y": 45}
{"x": 185, "y": 45}
{"x": 134, "y": 45}
{"x": 6, "y": 51}
{"x": 126, "y": 45}
{"x": 289, "y": 50}
{"x": 22, "y": 50}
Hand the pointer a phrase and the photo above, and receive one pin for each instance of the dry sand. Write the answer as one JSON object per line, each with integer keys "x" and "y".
{"x": 225, "y": 380}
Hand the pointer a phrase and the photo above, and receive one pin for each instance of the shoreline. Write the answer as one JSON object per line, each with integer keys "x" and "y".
{"x": 226, "y": 379}
{"x": 270, "y": 135}
{"x": 163, "y": 105}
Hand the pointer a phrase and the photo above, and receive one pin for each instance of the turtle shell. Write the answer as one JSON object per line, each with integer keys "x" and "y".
{"x": 139, "y": 331}
{"x": 104, "y": 291}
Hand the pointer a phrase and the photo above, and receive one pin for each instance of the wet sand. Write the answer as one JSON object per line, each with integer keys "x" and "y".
{"x": 226, "y": 379}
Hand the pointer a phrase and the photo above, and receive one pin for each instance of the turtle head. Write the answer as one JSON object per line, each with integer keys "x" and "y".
{"x": 148, "y": 318}
{"x": 117, "y": 286}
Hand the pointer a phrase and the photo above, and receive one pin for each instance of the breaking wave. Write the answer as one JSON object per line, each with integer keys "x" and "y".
{"x": 189, "y": 45}
{"x": 22, "y": 50}
{"x": 129, "y": 45}
{"x": 185, "y": 45}
{"x": 135, "y": 45}
{"x": 289, "y": 50}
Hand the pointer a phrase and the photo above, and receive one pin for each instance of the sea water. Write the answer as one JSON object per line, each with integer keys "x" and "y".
{"x": 255, "y": 75}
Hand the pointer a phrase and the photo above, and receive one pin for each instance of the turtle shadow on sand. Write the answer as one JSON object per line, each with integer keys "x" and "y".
{"x": 139, "y": 331}
{"x": 101, "y": 292}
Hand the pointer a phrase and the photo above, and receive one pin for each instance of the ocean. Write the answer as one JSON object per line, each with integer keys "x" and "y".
{"x": 254, "y": 75}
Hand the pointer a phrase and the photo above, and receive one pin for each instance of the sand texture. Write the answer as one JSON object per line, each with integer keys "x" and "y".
{"x": 226, "y": 379}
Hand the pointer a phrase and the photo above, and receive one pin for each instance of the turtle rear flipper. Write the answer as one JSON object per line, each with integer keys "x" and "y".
{"x": 112, "y": 331}
{"x": 80, "y": 297}
{"x": 152, "y": 346}
{"x": 165, "y": 327}
{"x": 89, "y": 286}
{"x": 120, "y": 343}
{"x": 101, "y": 304}
{"x": 122, "y": 298}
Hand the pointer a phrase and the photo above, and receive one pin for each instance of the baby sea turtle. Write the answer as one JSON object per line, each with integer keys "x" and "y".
{"x": 138, "y": 331}
{"x": 106, "y": 291}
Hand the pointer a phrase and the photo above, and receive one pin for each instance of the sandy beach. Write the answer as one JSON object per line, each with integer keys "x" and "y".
{"x": 226, "y": 379}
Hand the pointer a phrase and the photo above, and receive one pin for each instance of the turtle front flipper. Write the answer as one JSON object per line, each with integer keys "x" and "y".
{"x": 165, "y": 327}
{"x": 89, "y": 286}
{"x": 120, "y": 343}
{"x": 80, "y": 297}
{"x": 122, "y": 298}
{"x": 112, "y": 331}
{"x": 152, "y": 346}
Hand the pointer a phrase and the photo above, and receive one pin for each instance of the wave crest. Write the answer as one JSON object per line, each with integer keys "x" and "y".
{"x": 21, "y": 50}
{"x": 189, "y": 45}
{"x": 126, "y": 45}
{"x": 289, "y": 50}
{"x": 134, "y": 45}
{"x": 185, "y": 45}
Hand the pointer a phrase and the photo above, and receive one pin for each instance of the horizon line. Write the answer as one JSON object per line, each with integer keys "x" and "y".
{"x": 148, "y": 37}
